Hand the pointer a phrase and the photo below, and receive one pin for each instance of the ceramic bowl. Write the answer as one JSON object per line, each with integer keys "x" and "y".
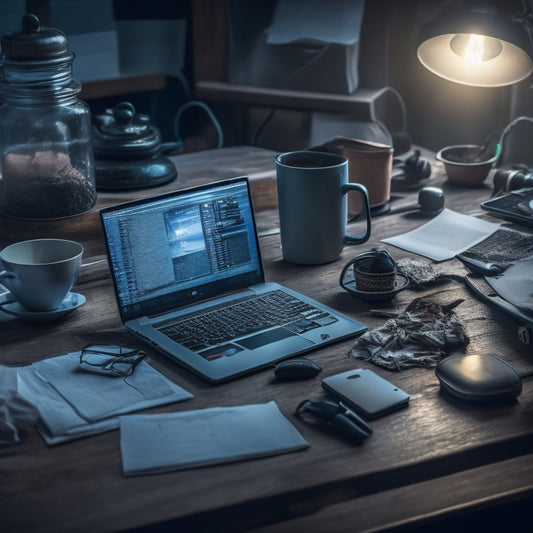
{"x": 465, "y": 164}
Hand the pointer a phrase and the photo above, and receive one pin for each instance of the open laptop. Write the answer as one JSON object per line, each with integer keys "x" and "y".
{"x": 180, "y": 259}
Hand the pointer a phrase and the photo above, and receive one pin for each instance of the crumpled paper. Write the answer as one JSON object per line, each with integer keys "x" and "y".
{"x": 16, "y": 414}
{"x": 420, "y": 336}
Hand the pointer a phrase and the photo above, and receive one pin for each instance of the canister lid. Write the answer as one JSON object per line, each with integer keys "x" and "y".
{"x": 122, "y": 132}
{"x": 35, "y": 43}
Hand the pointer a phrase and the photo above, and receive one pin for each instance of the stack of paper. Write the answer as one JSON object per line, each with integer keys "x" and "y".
{"x": 75, "y": 403}
{"x": 174, "y": 441}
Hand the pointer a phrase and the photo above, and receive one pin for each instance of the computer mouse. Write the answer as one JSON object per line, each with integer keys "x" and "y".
{"x": 431, "y": 200}
{"x": 296, "y": 369}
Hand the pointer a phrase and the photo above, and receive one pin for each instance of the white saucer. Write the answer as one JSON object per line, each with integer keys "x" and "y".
{"x": 72, "y": 301}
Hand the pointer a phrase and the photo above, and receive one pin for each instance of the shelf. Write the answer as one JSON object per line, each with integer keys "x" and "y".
{"x": 122, "y": 85}
{"x": 361, "y": 103}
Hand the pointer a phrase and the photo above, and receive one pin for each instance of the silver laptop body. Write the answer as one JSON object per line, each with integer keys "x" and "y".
{"x": 186, "y": 257}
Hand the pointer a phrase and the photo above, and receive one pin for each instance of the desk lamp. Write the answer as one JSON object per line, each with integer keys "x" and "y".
{"x": 477, "y": 46}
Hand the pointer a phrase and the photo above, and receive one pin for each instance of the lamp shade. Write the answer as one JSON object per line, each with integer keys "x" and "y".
{"x": 476, "y": 47}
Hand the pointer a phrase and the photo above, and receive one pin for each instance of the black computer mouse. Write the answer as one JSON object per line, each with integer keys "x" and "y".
{"x": 296, "y": 369}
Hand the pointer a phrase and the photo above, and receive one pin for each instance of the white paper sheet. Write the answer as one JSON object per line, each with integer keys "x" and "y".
{"x": 160, "y": 443}
{"x": 445, "y": 236}
{"x": 73, "y": 403}
{"x": 94, "y": 396}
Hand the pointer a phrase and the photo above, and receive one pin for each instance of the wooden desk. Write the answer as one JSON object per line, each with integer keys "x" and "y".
{"x": 433, "y": 461}
{"x": 193, "y": 169}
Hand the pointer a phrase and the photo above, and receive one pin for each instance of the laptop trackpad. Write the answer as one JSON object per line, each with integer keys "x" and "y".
{"x": 265, "y": 337}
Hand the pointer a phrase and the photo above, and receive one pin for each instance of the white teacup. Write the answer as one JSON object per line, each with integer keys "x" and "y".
{"x": 39, "y": 273}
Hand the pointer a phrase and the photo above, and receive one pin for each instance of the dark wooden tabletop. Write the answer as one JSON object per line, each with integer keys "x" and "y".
{"x": 434, "y": 460}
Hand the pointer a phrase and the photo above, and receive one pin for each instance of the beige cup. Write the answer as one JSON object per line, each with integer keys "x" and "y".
{"x": 39, "y": 273}
{"x": 369, "y": 163}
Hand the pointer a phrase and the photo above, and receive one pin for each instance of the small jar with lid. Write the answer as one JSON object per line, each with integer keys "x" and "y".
{"x": 46, "y": 156}
{"x": 128, "y": 151}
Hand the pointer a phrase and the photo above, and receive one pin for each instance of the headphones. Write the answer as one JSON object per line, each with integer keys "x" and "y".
{"x": 407, "y": 173}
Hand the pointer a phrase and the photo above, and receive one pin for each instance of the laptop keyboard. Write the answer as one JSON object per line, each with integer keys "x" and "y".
{"x": 243, "y": 317}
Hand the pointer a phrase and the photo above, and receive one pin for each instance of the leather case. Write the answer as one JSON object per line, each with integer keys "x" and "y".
{"x": 479, "y": 378}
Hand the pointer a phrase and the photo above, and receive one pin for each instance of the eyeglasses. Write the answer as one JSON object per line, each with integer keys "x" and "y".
{"x": 110, "y": 360}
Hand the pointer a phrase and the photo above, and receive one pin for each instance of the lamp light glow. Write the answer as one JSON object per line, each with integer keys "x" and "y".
{"x": 476, "y": 48}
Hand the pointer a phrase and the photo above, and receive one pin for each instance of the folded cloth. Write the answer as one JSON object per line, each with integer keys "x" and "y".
{"x": 419, "y": 336}
{"x": 16, "y": 414}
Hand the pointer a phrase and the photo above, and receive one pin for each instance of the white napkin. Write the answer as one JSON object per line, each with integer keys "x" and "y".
{"x": 16, "y": 413}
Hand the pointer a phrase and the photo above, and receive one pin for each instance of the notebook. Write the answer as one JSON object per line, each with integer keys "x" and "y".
{"x": 185, "y": 263}
{"x": 517, "y": 206}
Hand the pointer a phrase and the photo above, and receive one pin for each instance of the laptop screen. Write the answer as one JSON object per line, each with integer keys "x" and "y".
{"x": 173, "y": 250}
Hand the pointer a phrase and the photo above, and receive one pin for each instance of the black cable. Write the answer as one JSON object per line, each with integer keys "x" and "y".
{"x": 262, "y": 125}
{"x": 272, "y": 110}
{"x": 210, "y": 114}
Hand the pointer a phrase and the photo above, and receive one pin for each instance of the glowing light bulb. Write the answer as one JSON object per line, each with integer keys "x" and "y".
{"x": 474, "y": 48}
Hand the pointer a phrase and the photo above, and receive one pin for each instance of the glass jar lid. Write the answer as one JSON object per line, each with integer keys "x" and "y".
{"x": 35, "y": 44}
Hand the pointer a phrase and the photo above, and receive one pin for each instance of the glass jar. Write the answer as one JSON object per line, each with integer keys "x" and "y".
{"x": 46, "y": 158}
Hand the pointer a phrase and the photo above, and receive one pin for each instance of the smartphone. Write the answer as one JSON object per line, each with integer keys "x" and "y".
{"x": 366, "y": 393}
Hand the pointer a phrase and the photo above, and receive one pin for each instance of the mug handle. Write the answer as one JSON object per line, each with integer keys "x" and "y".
{"x": 6, "y": 275}
{"x": 363, "y": 237}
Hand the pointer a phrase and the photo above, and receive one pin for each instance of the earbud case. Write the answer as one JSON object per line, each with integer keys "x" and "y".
{"x": 479, "y": 377}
